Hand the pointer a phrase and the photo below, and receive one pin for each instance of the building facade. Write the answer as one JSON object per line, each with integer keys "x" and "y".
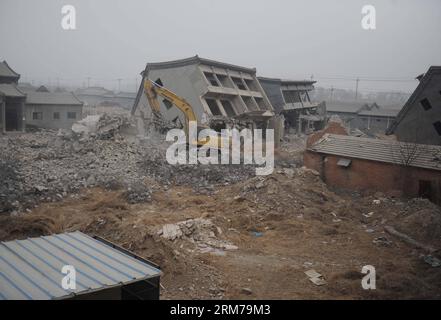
{"x": 290, "y": 98}
{"x": 420, "y": 119}
{"x": 52, "y": 110}
{"x": 219, "y": 93}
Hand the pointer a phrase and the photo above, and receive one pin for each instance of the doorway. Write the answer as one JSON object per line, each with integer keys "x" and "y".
{"x": 425, "y": 189}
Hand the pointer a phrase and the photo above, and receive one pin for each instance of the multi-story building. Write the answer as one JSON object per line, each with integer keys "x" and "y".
{"x": 290, "y": 98}
{"x": 219, "y": 93}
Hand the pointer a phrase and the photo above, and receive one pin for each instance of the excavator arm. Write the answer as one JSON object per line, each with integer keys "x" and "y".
{"x": 153, "y": 90}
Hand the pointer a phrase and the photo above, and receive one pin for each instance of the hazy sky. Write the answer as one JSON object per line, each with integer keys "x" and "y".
{"x": 281, "y": 38}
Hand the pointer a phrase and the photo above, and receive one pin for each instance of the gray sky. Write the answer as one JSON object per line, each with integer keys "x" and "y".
{"x": 281, "y": 38}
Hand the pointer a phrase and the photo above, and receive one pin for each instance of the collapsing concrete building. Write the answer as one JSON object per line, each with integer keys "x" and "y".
{"x": 222, "y": 95}
{"x": 290, "y": 98}
{"x": 419, "y": 121}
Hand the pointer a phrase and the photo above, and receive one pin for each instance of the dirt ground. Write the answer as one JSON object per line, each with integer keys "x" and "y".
{"x": 283, "y": 225}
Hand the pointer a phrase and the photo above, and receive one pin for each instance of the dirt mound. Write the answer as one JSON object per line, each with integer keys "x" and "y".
{"x": 424, "y": 225}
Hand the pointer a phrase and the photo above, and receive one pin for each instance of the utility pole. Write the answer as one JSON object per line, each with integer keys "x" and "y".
{"x": 119, "y": 84}
{"x": 356, "y": 88}
{"x": 88, "y": 82}
{"x": 332, "y": 93}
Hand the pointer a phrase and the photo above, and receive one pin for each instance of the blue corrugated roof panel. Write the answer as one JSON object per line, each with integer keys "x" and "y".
{"x": 31, "y": 269}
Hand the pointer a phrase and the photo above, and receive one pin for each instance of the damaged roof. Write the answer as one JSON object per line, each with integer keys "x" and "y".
{"x": 58, "y": 98}
{"x": 10, "y": 90}
{"x": 388, "y": 151}
{"x": 196, "y": 60}
{"x": 31, "y": 269}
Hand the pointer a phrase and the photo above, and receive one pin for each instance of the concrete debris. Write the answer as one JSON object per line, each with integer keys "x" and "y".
{"x": 102, "y": 126}
{"x": 48, "y": 166}
{"x": 202, "y": 232}
{"x": 382, "y": 241}
{"x": 246, "y": 291}
{"x": 315, "y": 277}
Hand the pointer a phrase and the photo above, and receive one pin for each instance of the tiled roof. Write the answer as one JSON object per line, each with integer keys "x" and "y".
{"x": 58, "y": 98}
{"x": 389, "y": 151}
{"x": 10, "y": 90}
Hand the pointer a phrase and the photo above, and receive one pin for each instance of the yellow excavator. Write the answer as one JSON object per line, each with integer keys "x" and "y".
{"x": 154, "y": 89}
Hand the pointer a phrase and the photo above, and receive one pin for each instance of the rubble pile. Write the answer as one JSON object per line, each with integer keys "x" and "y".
{"x": 47, "y": 166}
{"x": 103, "y": 126}
{"x": 10, "y": 181}
{"x": 200, "y": 177}
{"x": 200, "y": 232}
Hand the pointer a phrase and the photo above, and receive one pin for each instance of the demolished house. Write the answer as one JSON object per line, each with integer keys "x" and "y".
{"x": 371, "y": 119}
{"x": 366, "y": 164}
{"x": 290, "y": 98}
{"x": 222, "y": 95}
{"x": 420, "y": 119}
{"x": 12, "y": 109}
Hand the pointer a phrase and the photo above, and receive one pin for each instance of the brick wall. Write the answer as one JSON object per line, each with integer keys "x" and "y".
{"x": 363, "y": 175}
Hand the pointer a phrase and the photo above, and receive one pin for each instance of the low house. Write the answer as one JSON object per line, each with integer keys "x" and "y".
{"x": 220, "y": 93}
{"x": 11, "y": 100}
{"x": 365, "y": 164}
{"x": 420, "y": 119}
{"x": 290, "y": 98}
{"x": 52, "y": 110}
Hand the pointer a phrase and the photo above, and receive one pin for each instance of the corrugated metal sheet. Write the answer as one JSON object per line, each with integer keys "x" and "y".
{"x": 31, "y": 268}
{"x": 422, "y": 156}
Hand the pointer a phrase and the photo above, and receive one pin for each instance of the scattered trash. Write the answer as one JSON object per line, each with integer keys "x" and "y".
{"x": 433, "y": 261}
{"x": 369, "y": 214}
{"x": 376, "y": 202}
{"x": 315, "y": 277}
{"x": 246, "y": 291}
{"x": 257, "y": 234}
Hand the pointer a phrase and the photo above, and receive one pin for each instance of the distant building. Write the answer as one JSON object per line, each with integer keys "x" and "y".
{"x": 290, "y": 98}
{"x": 218, "y": 92}
{"x": 12, "y": 110}
{"x": 99, "y": 96}
{"x": 365, "y": 164}
{"x": 420, "y": 119}
{"x": 52, "y": 110}
{"x": 93, "y": 96}
{"x": 26, "y": 87}
{"x": 370, "y": 119}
